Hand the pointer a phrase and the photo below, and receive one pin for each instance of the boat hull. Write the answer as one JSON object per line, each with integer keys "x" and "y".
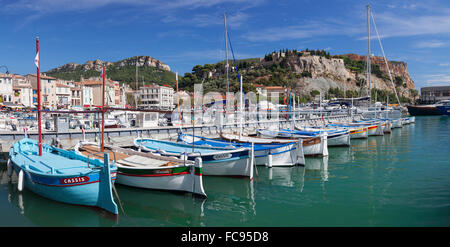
{"x": 178, "y": 177}
{"x": 316, "y": 146}
{"x": 397, "y": 123}
{"x": 173, "y": 179}
{"x": 281, "y": 156}
{"x": 426, "y": 110}
{"x": 339, "y": 140}
{"x": 79, "y": 193}
{"x": 221, "y": 163}
{"x": 62, "y": 175}
{"x": 444, "y": 109}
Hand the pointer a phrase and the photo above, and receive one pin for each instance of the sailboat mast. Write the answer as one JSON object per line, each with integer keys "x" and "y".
{"x": 369, "y": 68}
{"x": 103, "y": 108}
{"x": 39, "y": 96}
{"x": 136, "y": 95}
{"x": 226, "y": 50}
{"x": 178, "y": 99}
{"x": 241, "y": 108}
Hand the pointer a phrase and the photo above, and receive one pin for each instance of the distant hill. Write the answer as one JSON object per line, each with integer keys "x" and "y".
{"x": 307, "y": 72}
{"x": 149, "y": 69}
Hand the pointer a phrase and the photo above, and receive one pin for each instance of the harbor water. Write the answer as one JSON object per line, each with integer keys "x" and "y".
{"x": 399, "y": 179}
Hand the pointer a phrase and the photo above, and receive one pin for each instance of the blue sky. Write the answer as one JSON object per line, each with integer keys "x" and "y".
{"x": 183, "y": 34}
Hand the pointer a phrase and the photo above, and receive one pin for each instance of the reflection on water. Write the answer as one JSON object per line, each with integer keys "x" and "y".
{"x": 229, "y": 199}
{"x": 159, "y": 208}
{"x": 380, "y": 181}
{"x": 40, "y": 211}
{"x": 318, "y": 165}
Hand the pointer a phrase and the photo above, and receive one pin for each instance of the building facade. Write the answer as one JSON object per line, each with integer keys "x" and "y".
{"x": 63, "y": 95}
{"x": 156, "y": 97}
{"x": 6, "y": 87}
{"x": 23, "y": 91}
{"x": 434, "y": 94}
{"x": 48, "y": 90}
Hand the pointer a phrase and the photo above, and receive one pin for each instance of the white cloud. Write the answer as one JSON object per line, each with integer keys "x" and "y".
{"x": 308, "y": 30}
{"x": 437, "y": 79}
{"x": 430, "y": 44}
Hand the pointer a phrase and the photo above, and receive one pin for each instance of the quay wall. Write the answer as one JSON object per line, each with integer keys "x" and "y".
{"x": 124, "y": 136}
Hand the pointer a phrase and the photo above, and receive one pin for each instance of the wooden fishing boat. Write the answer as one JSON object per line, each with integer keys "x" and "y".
{"x": 62, "y": 175}
{"x": 373, "y": 129}
{"x": 335, "y": 137}
{"x": 216, "y": 161}
{"x": 149, "y": 171}
{"x": 313, "y": 145}
{"x": 278, "y": 154}
{"x": 58, "y": 174}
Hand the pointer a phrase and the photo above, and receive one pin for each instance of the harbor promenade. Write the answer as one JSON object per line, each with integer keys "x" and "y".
{"x": 124, "y": 137}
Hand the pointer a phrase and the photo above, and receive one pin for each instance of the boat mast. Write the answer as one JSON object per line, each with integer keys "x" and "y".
{"x": 369, "y": 72}
{"x": 226, "y": 50}
{"x": 103, "y": 108}
{"x": 39, "y": 95}
{"x": 241, "y": 108}
{"x": 178, "y": 100}
{"x": 136, "y": 95}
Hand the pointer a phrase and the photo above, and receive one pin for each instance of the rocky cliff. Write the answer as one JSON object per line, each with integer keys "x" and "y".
{"x": 346, "y": 72}
{"x": 307, "y": 71}
{"x": 98, "y": 64}
{"x": 150, "y": 70}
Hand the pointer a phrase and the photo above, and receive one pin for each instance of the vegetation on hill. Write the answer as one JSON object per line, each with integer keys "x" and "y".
{"x": 124, "y": 74}
{"x": 275, "y": 69}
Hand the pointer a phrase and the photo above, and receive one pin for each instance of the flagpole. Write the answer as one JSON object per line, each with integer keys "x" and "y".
{"x": 39, "y": 95}
{"x": 103, "y": 108}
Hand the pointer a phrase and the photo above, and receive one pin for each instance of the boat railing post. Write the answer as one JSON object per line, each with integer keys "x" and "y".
{"x": 198, "y": 180}
{"x": 105, "y": 197}
{"x": 252, "y": 161}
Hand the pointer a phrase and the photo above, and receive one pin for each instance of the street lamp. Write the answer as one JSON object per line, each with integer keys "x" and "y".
{"x": 7, "y": 72}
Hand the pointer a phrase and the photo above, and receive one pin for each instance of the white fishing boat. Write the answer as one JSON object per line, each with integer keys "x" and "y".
{"x": 268, "y": 154}
{"x": 216, "y": 161}
{"x": 149, "y": 171}
{"x": 312, "y": 145}
{"x": 335, "y": 137}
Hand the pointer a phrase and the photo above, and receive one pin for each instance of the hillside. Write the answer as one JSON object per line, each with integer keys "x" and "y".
{"x": 307, "y": 73}
{"x": 149, "y": 69}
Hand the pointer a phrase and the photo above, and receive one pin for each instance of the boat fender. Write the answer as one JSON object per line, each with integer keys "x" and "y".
{"x": 20, "y": 181}
{"x": 269, "y": 157}
{"x": 251, "y": 161}
{"x": 9, "y": 168}
{"x": 325, "y": 144}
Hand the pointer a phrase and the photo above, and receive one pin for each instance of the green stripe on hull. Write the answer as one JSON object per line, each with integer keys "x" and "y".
{"x": 159, "y": 171}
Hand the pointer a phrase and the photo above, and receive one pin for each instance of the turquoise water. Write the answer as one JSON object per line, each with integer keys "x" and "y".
{"x": 401, "y": 179}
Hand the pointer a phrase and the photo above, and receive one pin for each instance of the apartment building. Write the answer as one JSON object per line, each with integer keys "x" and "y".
{"x": 22, "y": 91}
{"x": 6, "y": 87}
{"x": 48, "y": 90}
{"x": 156, "y": 97}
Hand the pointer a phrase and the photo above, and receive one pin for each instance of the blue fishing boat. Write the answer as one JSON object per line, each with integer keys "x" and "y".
{"x": 314, "y": 142}
{"x": 444, "y": 107}
{"x": 58, "y": 174}
{"x": 335, "y": 137}
{"x": 216, "y": 161}
{"x": 268, "y": 154}
{"x": 63, "y": 175}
